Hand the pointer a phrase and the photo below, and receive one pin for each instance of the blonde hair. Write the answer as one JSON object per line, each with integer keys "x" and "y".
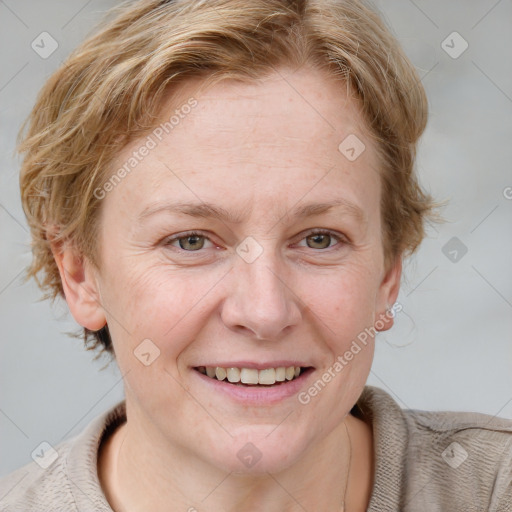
{"x": 109, "y": 91}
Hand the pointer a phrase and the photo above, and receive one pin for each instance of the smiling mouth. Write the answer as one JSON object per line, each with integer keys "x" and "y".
{"x": 252, "y": 376}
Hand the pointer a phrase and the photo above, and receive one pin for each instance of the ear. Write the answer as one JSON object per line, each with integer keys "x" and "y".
{"x": 387, "y": 295}
{"x": 80, "y": 285}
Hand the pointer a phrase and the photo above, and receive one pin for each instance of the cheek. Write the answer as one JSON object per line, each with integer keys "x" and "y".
{"x": 158, "y": 303}
{"x": 344, "y": 300}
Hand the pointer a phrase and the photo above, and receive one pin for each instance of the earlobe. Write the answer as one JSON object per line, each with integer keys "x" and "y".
{"x": 388, "y": 293}
{"x": 80, "y": 287}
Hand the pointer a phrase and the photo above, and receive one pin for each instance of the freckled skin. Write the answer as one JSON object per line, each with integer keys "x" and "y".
{"x": 259, "y": 150}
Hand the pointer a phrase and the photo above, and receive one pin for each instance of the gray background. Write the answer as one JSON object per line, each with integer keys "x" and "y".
{"x": 451, "y": 346}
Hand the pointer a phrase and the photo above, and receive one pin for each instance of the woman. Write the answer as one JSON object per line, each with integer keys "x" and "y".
{"x": 224, "y": 193}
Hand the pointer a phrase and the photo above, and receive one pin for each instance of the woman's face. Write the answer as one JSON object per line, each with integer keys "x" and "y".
{"x": 254, "y": 288}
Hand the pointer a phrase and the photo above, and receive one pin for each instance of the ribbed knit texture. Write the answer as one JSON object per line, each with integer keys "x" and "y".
{"x": 411, "y": 474}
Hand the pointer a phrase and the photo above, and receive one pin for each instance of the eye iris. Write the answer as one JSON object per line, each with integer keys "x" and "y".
{"x": 318, "y": 239}
{"x": 194, "y": 242}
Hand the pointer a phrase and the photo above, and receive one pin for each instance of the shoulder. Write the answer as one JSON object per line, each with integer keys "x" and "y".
{"x": 450, "y": 460}
{"x": 64, "y": 477}
{"x": 36, "y": 486}
{"x": 461, "y": 454}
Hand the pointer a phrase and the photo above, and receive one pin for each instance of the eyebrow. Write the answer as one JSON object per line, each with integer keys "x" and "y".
{"x": 209, "y": 210}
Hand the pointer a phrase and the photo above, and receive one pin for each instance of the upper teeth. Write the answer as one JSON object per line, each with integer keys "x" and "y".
{"x": 267, "y": 376}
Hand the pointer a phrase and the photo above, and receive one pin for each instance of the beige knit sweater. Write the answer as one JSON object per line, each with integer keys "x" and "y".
{"x": 425, "y": 462}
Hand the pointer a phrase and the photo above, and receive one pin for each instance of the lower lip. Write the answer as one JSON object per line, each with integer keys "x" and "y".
{"x": 257, "y": 395}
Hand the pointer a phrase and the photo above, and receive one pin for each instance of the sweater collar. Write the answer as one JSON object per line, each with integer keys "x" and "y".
{"x": 390, "y": 433}
{"x": 82, "y": 459}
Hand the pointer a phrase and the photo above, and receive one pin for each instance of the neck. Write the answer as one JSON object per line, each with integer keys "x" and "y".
{"x": 139, "y": 471}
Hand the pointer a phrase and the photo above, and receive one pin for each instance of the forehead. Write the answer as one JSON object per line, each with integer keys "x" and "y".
{"x": 306, "y": 104}
{"x": 278, "y": 137}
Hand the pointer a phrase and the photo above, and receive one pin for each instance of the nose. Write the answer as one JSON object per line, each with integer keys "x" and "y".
{"x": 261, "y": 301}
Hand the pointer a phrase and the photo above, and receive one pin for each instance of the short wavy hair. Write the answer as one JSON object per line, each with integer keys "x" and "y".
{"x": 110, "y": 89}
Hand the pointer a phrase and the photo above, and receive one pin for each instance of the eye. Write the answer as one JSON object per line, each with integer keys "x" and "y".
{"x": 320, "y": 239}
{"x": 190, "y": 242}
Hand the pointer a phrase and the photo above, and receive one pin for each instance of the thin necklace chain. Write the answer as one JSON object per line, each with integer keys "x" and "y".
{"x": 342, "y": 509}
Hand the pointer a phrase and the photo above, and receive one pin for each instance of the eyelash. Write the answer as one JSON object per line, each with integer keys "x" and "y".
{"x": 339, "y": 238}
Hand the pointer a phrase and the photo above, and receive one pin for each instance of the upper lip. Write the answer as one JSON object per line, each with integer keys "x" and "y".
{"x": 256, "y": 366}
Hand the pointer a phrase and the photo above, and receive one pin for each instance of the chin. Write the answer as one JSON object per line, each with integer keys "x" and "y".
{"x": 258, "y": 452}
